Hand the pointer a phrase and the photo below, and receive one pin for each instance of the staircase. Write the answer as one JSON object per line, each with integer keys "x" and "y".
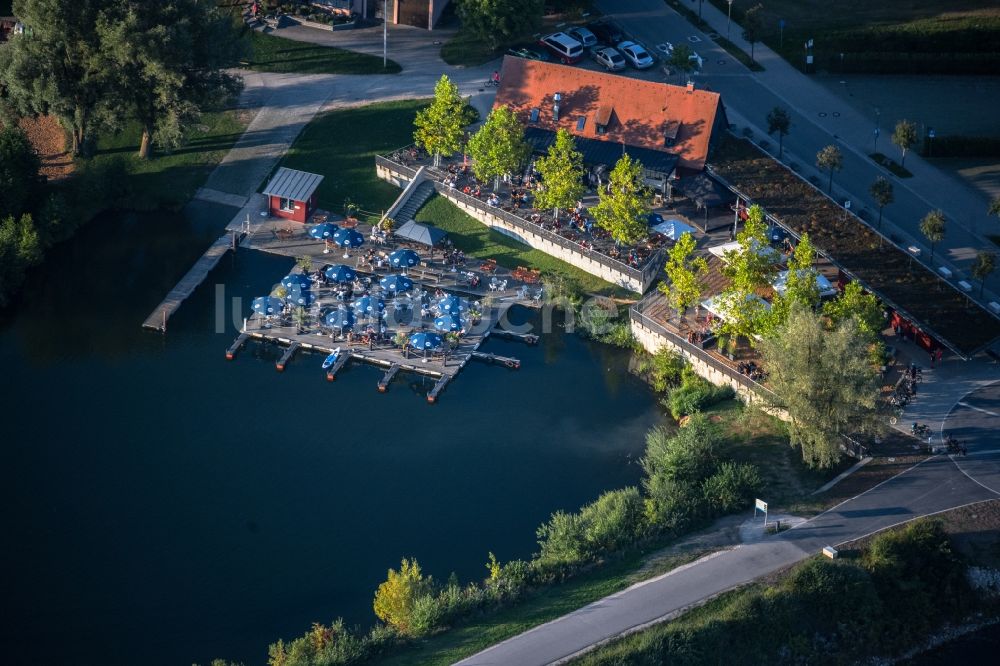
{"x": 416, "y": 199}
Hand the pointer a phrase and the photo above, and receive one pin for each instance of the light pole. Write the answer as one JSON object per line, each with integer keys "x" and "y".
{"x": 385, "y": 34}
{"x": 878, "y": 115}
{"x": 729, "y": 17}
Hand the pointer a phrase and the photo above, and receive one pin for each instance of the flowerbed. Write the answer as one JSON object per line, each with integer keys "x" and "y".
{"x": 884, "y": 268}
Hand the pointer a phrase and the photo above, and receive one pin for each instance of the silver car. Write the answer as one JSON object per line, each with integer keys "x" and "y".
{"x": 636, "y": 55}
{"x": 609, "y": 58}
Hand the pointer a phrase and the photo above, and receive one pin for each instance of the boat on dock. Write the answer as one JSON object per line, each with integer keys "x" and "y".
{"x": 331, "y": 359}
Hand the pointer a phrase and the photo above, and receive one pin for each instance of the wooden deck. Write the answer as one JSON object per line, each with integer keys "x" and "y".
{"x": 157, "y": 320}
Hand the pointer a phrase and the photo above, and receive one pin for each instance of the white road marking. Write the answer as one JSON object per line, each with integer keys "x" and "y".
{"x": 978, "y": 409}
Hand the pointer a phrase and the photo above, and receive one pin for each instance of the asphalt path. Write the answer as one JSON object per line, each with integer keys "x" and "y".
{"x": 930, "y": 487}
{"x": 821, "y": 118}
{"x": 975, "y": 421}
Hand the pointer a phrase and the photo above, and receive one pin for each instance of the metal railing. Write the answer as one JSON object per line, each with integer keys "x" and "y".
{"x": 636, "y": 314}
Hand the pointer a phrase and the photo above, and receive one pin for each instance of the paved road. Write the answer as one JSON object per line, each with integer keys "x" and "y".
{"x": 820, "y": 118}
{"x": 930, "y": 487}
{"x": 975, "y": 421}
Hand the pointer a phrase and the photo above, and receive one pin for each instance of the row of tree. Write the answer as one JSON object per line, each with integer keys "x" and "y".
{"x": 95, "y": 64}
{"x": 499, "y": 150}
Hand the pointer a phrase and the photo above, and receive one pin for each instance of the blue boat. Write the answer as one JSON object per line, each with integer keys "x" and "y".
{"x": 332, "y": 358}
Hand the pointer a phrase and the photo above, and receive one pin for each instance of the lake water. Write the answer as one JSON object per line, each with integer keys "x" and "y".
{"x": 163, "y": 506}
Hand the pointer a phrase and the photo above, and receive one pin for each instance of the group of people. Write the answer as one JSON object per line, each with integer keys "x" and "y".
{"x": 752, "y": 370}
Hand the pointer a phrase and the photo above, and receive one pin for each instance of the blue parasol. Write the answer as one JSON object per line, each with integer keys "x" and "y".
{"x": 396, "y": 283}
{"x": 403, "y": 258}
{"x": 268, "y": 305}
{"x": 348, "y": 238}
{"x": 340, "y": 273}
{"x": 450, "y": 322}
{"x": 302, "y": 297}
{"x": 367, "y": 306}
{"x": 341, "y": 318}
{"x": 453, "y": 305}
{"x": 324, "y": 231}
{"x": 296, "y": 281}
{"x": 426, "y": 340}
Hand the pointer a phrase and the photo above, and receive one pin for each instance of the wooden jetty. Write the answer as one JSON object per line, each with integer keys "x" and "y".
{"x": 437, "y": 388}
{"x": 287, "y": 356}
{"x": 527, "y": 338}
{"x": 157, "y": 321}
{"x": 496, "y": 359}
{"x": 235, "y": 347}
{"x": 383, "y": 384}
{"x": 341, "y": 361}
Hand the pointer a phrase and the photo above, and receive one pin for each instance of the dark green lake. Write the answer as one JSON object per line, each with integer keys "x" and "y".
{"x": 163, "y": 506}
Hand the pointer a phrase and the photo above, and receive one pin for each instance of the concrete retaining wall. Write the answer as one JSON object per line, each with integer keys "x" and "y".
{"x": 391, "y": 176}
{"x": 652, "y": 342}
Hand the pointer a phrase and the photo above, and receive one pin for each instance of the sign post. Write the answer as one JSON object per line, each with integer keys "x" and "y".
{"x": 760, "y": 505}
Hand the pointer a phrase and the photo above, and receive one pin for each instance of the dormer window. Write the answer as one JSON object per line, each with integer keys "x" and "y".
{"x": 603, "y": 118}
{"x": 580, "y": 122}
{"x": 533, "y": 116}
{"x": 670, "y": 131}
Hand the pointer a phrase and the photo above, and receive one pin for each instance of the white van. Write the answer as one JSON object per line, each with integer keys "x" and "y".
{"x": 564, "y": 47}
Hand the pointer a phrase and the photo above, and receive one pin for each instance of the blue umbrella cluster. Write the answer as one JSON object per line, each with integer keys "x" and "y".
{"x": 340, "y": 273}
{"x": 396, "y": 283}
{"x": 348, "y": 238}
{"x": 341, "y": 318}
{"x": 303, "y": 297}
{"x": 453, "y": 305}
{"x": 324, "y": 231}
{"x": 268, "y": 305}
{"x": 403, "y": 258}
{"x": 450, "y": 323}
{"x": 426, "y": 340}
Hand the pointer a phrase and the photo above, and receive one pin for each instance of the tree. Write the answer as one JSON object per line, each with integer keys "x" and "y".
{"x": 857, "y": 304}
{"x": 498, "y": 22}
{"x": 904, "y": 137}
{"x": 623, "y": 207}
{"x": 933, "y": 227}
{"x": 166, "y": 61}
{"x": 824, "y": 380}
{"x": 498, "y": 148}
{"x": 753, "y": 27}
{"x": 830, "y": 159}
{"x": 440, "y": 127}
{"x": 749, "y": 268}
{"x": 20, "y": 248}
{"x": 779, "y": 121}
{"x": 801, "y": 286}
{"x": 994, "y": 208}
{"x": 562, "y": 172}
{"x": 881, "y": 191}
{"x": 982, "y": 267}
{"x": 680, "y": 59}
{"x": 19, "y": 180}
{"x": 59, "y": 69}
{"x": 396, "y": 597}
{"x": 685, "y": 273}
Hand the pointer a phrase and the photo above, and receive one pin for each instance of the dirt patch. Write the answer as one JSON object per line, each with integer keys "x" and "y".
{"x": 49, "y": 140}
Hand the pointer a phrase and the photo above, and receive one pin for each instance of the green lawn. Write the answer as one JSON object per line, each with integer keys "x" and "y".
{"x": 167, "y": 179}
{"x": 548, "y": 604}
{"x": 342, "y": 146}
{"x": 277, "y": 54}
{"x": 477, "y": 240}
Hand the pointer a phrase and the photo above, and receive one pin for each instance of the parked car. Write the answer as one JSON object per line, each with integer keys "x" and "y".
{"x": 609, "y": 58}
{"x": 606, "y": 31}
{"x": 584, "y": 36}
{"x": 563, "y": 47}
{"x": 636, "y": 55}
{"x": 528, "y": 52}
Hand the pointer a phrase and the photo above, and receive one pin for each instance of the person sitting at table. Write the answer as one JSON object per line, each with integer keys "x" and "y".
{"x": 494, "y": 200}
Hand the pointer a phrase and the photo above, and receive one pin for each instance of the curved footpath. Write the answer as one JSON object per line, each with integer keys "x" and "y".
{"x": 929, "y": 487}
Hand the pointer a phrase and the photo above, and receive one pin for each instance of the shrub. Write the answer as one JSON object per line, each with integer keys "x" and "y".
{"x": 563, "y": 540}
{"x": 695, "y": 394}
{"x": 614, "y": 521}
{"x": 666, "y": 369}
{"x": 688, "y": 455}
{"x": 427, "y": 614}
{"x": 20, "y": 248}
{"x": 732, "y": 487}
{"x": 395, "y": 599}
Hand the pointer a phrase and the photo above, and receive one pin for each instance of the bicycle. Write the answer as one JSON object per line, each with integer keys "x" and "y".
{"x": 492, "y": 83}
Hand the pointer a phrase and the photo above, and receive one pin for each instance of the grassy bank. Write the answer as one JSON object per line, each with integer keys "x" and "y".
{"x": 919, "y": 37}
{"x": 342, "y": 146}
{"x": 277, "y": 54}
{"x": 477, "y": 240}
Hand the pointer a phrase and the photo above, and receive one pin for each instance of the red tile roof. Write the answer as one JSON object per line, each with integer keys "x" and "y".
{"x": 636, "y": 112}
